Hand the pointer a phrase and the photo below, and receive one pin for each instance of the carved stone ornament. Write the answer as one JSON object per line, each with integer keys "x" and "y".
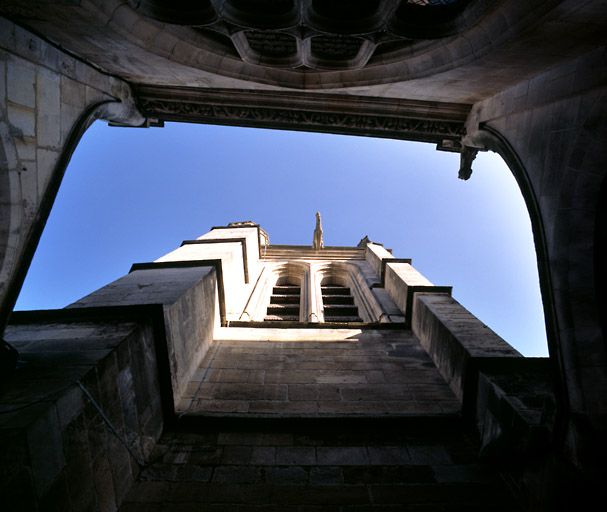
{"x": 467, "y": 156}
{"x": 317, "y": 242}
{"x": 392, "y": 126}
{"x": 304, "y": 35}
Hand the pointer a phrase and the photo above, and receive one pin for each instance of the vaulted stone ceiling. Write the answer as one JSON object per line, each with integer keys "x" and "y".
{"x": 458, "y": 51}
{"x": 313, "y": 34}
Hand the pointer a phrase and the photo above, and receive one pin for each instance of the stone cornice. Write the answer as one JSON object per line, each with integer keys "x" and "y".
{"x": 353, "y": 115}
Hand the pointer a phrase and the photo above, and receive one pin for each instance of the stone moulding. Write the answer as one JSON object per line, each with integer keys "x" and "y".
{"x": 260, "y": 232}
{"x": 353, "y": 115}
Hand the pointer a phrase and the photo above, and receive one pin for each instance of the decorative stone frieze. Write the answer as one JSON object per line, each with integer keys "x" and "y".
{"x": 422, "y": 121}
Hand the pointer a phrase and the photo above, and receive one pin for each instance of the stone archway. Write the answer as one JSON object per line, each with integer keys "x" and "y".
{"x": 43, "y": 115}
{"x": 554, "y": 150}
{"x": 545, "y": 114}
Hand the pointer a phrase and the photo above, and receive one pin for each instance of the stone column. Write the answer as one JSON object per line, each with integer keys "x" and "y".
{"x": 314, "y": 304}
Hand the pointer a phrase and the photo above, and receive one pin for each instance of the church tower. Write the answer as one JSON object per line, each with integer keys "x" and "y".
{"x": 233, "y": 372}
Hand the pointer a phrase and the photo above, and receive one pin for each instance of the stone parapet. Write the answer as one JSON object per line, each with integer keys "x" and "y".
{"x": 284, "y": 252}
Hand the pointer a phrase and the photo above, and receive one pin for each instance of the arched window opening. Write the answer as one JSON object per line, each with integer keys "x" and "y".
{"x": 280, "y": 294}
{"x": 338, "y": 302}
{"x": 343, "y": 295}
{"x": 285, "y": 301}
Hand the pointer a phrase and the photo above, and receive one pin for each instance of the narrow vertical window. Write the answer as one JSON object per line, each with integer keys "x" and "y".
{"x": 338, "y": 304}
{"x": 284, "y": 303}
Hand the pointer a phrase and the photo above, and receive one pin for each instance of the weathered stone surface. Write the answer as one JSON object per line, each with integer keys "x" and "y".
{"x": 515, "y": 408}
{"x": 71, "y": 412}
{"x": 326, "y": 465}
{"x": 181, "y": 291}
{"x": 376, "y": 372}
{"x": 552, "y": 124}
{"x": 454, "y": 337}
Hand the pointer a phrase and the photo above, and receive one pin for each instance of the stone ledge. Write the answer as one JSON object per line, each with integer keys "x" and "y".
{"x": 153, "y": 313}
{"x": 288, "y": 324}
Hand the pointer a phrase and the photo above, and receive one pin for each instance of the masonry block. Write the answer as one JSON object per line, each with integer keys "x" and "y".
{"x": 402, "y": 281}
{"x": 21, "y": 83}
{"x": 453, "y": 338}
{"x": 48, "y": 116}
{"x": 22, "y": 121}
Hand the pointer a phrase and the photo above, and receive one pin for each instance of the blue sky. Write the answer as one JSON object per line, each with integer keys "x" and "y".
{"x": 131, "y": 195}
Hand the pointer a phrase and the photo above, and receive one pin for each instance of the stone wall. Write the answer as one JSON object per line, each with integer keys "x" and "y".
{"x": 348, "y": 464}
{"x": 457, "y": 342}
{"x": 548, "y": 123}
{"x": 238, "y": 250}
{"x": 188, "y": 297}
{"x": 83, "y": 413}
{"x": 506, "y": 398}
{"x": 454, "y": 338}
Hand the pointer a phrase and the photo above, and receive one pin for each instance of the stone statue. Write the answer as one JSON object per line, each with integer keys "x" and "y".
{"x": 318, "y": 243}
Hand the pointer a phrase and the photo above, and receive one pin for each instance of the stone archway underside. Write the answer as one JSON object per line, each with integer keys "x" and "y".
{"x": 529, "y": 72}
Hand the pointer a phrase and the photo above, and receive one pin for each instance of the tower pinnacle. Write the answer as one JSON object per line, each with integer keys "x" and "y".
{"x": 317, "y": 242}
